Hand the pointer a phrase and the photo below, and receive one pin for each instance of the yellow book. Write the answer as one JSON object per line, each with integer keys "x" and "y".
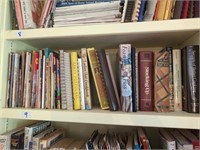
{"x": 168, "y": 9}
{"x": 161, "y": 10}
{"x": 98, "y": 78}
{"x": 75, "y": 80}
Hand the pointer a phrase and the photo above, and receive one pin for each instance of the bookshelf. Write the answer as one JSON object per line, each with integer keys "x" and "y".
{"x": 143, "y": 35}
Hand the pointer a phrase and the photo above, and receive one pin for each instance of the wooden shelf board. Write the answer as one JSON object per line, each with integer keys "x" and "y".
{"x": 97, "y": 116}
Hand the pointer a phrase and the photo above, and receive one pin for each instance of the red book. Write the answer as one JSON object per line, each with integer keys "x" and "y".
{"x": 146, "y": 80}
{"x": 185, "y": 8}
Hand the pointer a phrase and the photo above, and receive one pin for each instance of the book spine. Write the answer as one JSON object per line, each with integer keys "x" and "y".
{"x": 5, "y": 142}
{"x": 58, "y": 96}
{"x": 171, "y": 81}
{"x": 142, "y": 10}
{"x": 87, "y": 93}
{"x": 136, "y": 10}
{"x": 17, "y": 141}
{"x": 137, "y": 81}
{"x": 98, "y": 79}
{"x": 192, "y": 78}
{"x": 134, "y": 95}
{"x": 161, "y": 80}
{"x": 27, "y": 137}
{"x": 43, "y": 82}
{"x": 75, "y": 81}
{"x": 185, "y": 7}
{"x": 161, "y": 10}
{"x": 81, "y": 85}
{"x": 167, "y": 13}
{"x": 146, "y": 80}
{"x": 177, "y": 80}
{"x": 62, "y": 81}
{"x": 112, "y": 100}
{"x": 177, "y": 9}
{"x": 9, "y": 79}
{"x": 127, "y": 11}
{"x": 126, "y": 77}
{"x": 19, "y": 14}
{"x": 68, "y": 81}
{"x": 196, "y": 12}
{"x": 27, "y": 14}
{"x": 150, "y": 9}
{"x": 47, "y": 79}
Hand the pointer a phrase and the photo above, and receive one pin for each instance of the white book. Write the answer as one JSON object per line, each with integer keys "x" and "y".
{"x": 62, "y": 81}
{"x": 137, "y": 83}
{"x": 68, "y": 80}
{"x": 43, "y": 81}
{"x": 34, "y": 130}
{"x": 82, "y": 97}
{"x": 27, "y": 14}
{"x": 167, "y": 140}
{"x": 149, "y": 13}
{"x": 176, "y": 54}
{"x": 136, "y": 10}
{"x": 36, "y": 139}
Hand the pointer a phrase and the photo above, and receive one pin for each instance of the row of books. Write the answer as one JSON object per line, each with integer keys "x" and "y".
{"x": 43, "y": 135}
{"x": 86, "y": 12}
{"x": 148, "y": 10}
{"x": 148, "y": 80}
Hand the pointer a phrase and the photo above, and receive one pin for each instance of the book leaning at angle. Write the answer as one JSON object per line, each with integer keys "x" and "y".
{"x": 98, "y": 78}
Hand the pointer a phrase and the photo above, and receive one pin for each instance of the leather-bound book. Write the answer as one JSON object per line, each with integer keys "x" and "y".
{"x": 196, "y": 12}
{"x": 185, "y": 8}
{"x": 178, "y": 9}
{"x": 146, "y": 80}
{"x": 112, "y": 100}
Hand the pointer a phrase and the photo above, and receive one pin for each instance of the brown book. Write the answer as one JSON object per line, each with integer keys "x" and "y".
{"x": 185, "y": 8}
{"x": 112, "y": 99}
{"x": 196, "y": 12}
{"x": 177, "y": 9}
{"x": 146, "y": 80}
{"x": 162, "y": 80}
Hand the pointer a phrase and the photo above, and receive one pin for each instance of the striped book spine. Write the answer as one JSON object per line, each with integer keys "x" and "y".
{"x": 126, "y": 77}
{"x": 75, "y": 80}
{"x": 86, "y": 79}
{"x": 82, "y": 97}
{"x": 62, "y": 81}
{"x": 68, "y": 81}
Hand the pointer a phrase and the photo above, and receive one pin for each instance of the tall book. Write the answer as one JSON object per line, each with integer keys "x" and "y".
{"x": 86, "y": 78}
{"x": 145, "y": 59}
{"x": 19, "y": 14}
{"x": 112, "y": 100}
{"x": 168, "y": 9}
{"x": 128, "y": 10}
{"x": 177, "y": 79}
{"x": 185, "y": 8}
{"x": 161, "y": 10}
{"x": 177, "y": 9}
{"x": 142, "y": 10}
{"x": 150, "y": 9}
{"x": 191, "y": 77}
{"x": 80, "y": 74}
{"x": 196, "y": 8}
{"x": 98, "y": 78}
{"x": 126, "y": 77}
{"x": 75, "y": 80}
{"x": 68, "y": 80}
{"x": 161, "y": 80}
{"x": 17, "y": 140}
{"x": 136, "y": 9}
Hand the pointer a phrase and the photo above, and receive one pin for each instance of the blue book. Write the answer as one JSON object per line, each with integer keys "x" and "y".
{"x": 142, "y": 10}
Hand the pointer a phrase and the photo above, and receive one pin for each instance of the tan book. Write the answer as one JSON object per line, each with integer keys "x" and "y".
{"x": 168, "y": 9}
{"x": 48, "y": 141}
{"x": 161, "y": 10}
{"x": 62, "y": 144}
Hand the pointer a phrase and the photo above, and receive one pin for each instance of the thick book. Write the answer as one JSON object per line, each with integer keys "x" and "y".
{"x": 136, "y": 9}
{"x": 98, "y": 78}
{"x": 196, "y": 8}
{"x": 113, "y": 105}
{"x": 17, "y": 140}
{"x": 161, "y": 10}
{"x": 177, "y": 80}
{"x": 185, "y": 8}
{"x": 167, "y": 140}
{"x": 191, "y": 77}
{"x": 86, "y": 78}
{"x": 178, "y": 9}
{"x": 127, "y": 11}
{"x": 168, "y": 9}
{"x": 19, "y": 14}
{"x": 145, "y": 60}
{"x": 75, "y": 80}
{"x": 142, "y": 10}
{"x": 162, "y": 80}
{"x": 150, "y": 10}
{"x": 125, "y": 68}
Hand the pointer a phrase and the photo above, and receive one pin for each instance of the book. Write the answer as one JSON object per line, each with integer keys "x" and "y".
{"x": 185, "y": 8}
{"x": 68, "y": 80}
{"x": 75, "y": 80}
{"x": 196, "y": 9}
{"x": 98, "y": 78}
{"x": 62, "y": 144}
{"x": 33, "y": 130}
{"x": 142, "y": 10}
{"x": 161, "y": 10}
{"x": 89, "y": 143}
{"x": 145, "y": 71}
{"x": 171, "y": 81}
{"x": 125, "y": 77}
{"x": 112, "y": 100}
{"x": 143, "y": 138}
{"x": 80, "y": 74}
{"x": 150, "y": 9}
{"x": 19, "y": 14}
{"x": 192, "y": 78}
{"x": 161, "y": 80}
{"x": 178, "y": 9}
{"x": 136, "y": 144}
{"x": 177, "y": 79}
{"x": 17, "y": 140}
{"x": 136, "y": 9}
{"x": 127, "y": 11}
{"x": 167, "y": 140}
{"x": 168, "y": 9}
{"x": 47, "y": 141}
{"x": 86, "y": 78}
{"x": 76, "y": 144}
{"x": 113, "y": 80}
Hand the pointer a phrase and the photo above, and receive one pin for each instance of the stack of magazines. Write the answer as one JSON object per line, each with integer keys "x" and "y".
{"x": 68, "y": 13}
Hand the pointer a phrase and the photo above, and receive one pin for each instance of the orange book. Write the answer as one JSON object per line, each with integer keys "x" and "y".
{"x": 160, "y": 10}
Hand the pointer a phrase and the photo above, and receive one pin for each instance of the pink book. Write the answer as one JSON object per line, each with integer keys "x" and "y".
{"x": 184, "y": 13}
{"x": 19, "y": 14}
{"x": 36, "y": 10}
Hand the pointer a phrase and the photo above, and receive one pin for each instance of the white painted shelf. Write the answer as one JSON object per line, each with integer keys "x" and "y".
{"x": 97, "y": 116}
{"x": 153, "y": 33}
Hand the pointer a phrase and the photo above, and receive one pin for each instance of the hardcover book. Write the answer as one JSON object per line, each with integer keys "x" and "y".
{"x": 98, "y": 78}
{"x": 145, "y": 59}
{"x": 178, "y": 9}
{"x": 80, "y": 74}
{"x": 126, "y": 77}
{"x": 113, "y": 105}
{"x": 161, "y": 80}
{"x": 151, "y": 7}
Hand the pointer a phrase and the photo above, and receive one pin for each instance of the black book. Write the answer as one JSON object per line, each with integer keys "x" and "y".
{"x": 112, "y": 100}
